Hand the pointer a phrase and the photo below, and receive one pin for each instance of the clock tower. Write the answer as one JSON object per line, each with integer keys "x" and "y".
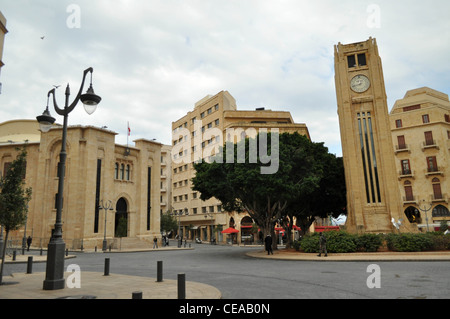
{"x": 373, "y": 195}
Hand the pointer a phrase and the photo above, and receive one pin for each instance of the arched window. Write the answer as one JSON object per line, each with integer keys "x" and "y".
{"x": 122, "y": 171}
{"x": 437, "y": 192}
{"x": 440, "y": 211}
{"x": 116, "y": 171}
{"x": 408, "y": 191}
{"x": 128, "y": 172}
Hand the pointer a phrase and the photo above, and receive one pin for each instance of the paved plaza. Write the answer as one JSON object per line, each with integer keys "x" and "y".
{"x": 237, "y": 272}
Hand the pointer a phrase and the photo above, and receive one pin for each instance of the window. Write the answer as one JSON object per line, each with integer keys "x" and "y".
{"x": 202, "y": 115}
{"x": 401, "y": 142}
{"x": 211, "y": 209}
{"x": 432, "y": 164}
{"x": 194, "y": 195}
{"x": 425, "y": 118}
{"x": 362, "y": 59}
{"x": 408, "y": 191}
{"x": 209, "y": 110}
{"x": 216, "y": 122}
{"x": 194, "y": 210}
{"x": 122, "y": 171}
{"x": 216, "y": 107}
{"x": 204, "y": 210}
{"x": 128, "y": 172}
{"x": 351, "y": 61}
{"x": 116, "y": 171}
{"x": 429, "y": 138}
{"x": 398, "y": 123}
{"x": 406, "y": 169}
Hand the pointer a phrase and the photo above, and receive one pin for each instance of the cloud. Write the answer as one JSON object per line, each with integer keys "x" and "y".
{"x": 154, "y": 59}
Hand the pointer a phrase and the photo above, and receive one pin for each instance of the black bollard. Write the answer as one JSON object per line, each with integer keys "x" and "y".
{"x": 95, "y": 248}
{"x": 40, "y": 252}
{"x": 136, "y": 295}
{"x": 106, "y": 267}
{"x": 181, "y": 286}
{"x": 30, "y": 265}
{"x": 14, "y": 255}
{"x": 159, "y": 274}
{"x": 67, "y": 252}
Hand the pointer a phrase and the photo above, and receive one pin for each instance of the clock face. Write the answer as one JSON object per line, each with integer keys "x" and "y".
{"x": 360, "y": 83}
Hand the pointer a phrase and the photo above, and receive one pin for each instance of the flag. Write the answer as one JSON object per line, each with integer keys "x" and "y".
{"x": 129, "y": 131}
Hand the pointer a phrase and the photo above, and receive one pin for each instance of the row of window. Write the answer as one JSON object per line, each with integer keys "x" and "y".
{"x": 425, "y": 118}
{"x": 429, "y": 141}
{"x": 432, "y": 166}
{"x": 122, "y": 171}
{"x": 202, "y": 115}
{"x": 184, "y": 197}
{"x": 205, "y": 210}
{"x": 437, "y": 191}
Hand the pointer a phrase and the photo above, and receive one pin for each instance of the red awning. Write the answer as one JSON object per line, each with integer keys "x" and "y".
{"x": 243, "y": 226}
{"x": 230, "y": 231}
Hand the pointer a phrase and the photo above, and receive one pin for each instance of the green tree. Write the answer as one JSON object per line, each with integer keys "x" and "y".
{"x": 168, "y": 222}
{"x": 14, "y": 198}
{"x": 240, "y": 185}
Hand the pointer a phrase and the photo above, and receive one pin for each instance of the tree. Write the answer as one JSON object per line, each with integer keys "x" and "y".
{"x": 328, "y": 199}
{"x": 14, "y": 199}
{"x": 168, "y": 222}
{"x": 240, "y": 185}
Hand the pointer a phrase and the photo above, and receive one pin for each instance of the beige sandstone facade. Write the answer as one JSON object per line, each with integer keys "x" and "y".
{"x": 198, "y": 134}
{"x": 373, "y": 195}
{"x": 97, "y": 170}
{"x": 420, "y": 124}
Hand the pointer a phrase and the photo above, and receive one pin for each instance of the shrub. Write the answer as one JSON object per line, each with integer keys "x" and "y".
{"x": 337, "y": 242}
{"x": 369, "y": 242}
{"x": 409, "y": 242}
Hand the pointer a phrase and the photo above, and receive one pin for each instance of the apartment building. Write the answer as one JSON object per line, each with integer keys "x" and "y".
{"x": 198, "y": 136}
{"x": 420, "y": 125}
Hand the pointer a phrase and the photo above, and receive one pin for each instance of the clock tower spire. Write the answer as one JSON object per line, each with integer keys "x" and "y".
{"x": 373, "y": 195}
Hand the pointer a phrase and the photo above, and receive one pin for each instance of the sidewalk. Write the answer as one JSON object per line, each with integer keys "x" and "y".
{"x": 96, "y": 285}
{"x": 283, "y": 254}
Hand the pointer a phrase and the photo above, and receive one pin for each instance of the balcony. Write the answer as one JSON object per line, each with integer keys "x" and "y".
{"x": 435, "y": 170}
{"x": 439, "y": 198}
{"x": 409, "y": 200}
{"x": 402, "y": 148}
{"x": 429, "y": 144}
{"x": 406, "y": 173}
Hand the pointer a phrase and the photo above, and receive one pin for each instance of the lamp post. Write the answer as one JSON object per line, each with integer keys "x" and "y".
{"x": 425, "y": 210}
{"x": 106, "y": 207}
{"x": 54, "y": 277}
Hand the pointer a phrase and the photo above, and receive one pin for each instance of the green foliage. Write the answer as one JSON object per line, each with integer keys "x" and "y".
{"x": 443, "y": 226}
{"x": 14, "y": 197}
{"x": 121, "y": 230}
{"x": 409, "y": 242}
{"x": 168, "y": 222}
{"x": 369, "y": 242}
{"x": 340, "y": 242}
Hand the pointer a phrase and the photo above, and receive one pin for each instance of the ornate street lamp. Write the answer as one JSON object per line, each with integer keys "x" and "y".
{"x": 425, "y": 209}
{"x": 54, "y": 278}
{"x": 106, "y": 207}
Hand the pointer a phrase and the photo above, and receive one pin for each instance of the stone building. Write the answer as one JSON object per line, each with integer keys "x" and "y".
{"x": 198, "y": 135}
{"x": 420, "y": 124}
{"x": 97, "y": 171}
{"x": 373, "y": 197}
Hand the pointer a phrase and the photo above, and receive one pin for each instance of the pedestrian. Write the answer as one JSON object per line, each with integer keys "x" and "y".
{"x": 155, "y": 243}
{"x": 268, "y": 242}
{"x": 323, "y": 245}
{"x": 29, "y": 240}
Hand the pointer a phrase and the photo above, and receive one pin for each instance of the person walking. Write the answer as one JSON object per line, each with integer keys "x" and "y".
{"x": 323, "y": 245}
{"x": 268, "y": 242}
{"x": 29, "y": 240}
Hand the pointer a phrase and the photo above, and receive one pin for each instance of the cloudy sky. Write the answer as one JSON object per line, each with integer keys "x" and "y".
{"x": 154, "y": 59}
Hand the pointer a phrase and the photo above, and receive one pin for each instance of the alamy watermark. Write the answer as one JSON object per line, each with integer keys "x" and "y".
{"x": 204, "y": 144}
{"x": 374, "y": 18}
{"x": 374, "y": 279}
{"x": 73, "y": 21}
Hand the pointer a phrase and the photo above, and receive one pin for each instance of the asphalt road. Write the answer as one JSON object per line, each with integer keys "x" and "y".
{"x": 239, "y": 276}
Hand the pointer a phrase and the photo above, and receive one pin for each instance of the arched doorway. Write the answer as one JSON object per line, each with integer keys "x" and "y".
{"x": 413, "y": 215}
{"x": 121, "y": 220}
{"x": 247, "y": 230}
